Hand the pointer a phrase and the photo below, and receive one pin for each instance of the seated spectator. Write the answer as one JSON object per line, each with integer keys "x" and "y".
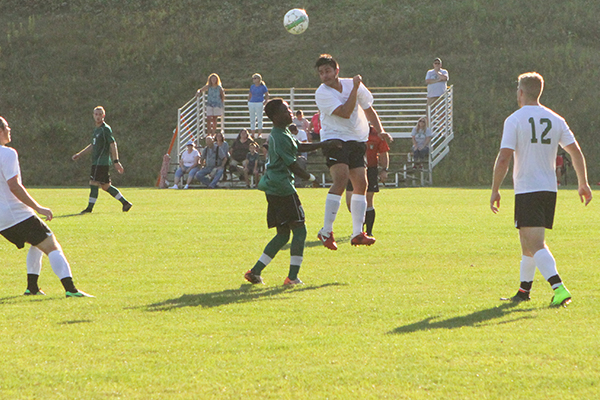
{"x": 223, "y": 145}
{"x": 421, "y": 137}
{"x": 213, "y": 164}
{"x": 251, "y": 164}
{"x": 302, "y": 138}
{"x": 189, "y": 163}
{"x": 314, "y": 128}
{"x": 302, "y": 124}
{"x": 239, "y": 151}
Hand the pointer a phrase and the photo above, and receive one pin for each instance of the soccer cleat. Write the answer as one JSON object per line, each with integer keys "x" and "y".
{"x": 127, "y": 206}
{"x": 328, "y": 241}
{"x": 253, "y": 279}
{"x": 30, "y": 293}
{"x": 78, "y": 293}
{"x": 362, "y": 240}
{"x": 517, "y": 298}
{"x": 86, "y": 211}
{"x": 289, "y": 282}
{"x": 561, "y": 297}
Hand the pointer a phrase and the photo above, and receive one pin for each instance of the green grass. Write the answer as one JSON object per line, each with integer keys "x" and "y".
{"x": 416, "y": 316}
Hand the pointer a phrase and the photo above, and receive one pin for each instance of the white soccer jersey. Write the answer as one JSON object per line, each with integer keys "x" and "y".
{"x": 12, "y": 210}
{"x": 333, "y": 127}
{"x": 534, "y": 133}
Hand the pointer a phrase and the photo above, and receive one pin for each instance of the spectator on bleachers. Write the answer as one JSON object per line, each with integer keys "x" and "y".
{"x": 437, "y": 81}
{"x": 214, "y": 102}
{"x": 239, "y": 151}
{"x": 258, "y": 96}
{"x": 213, "y": 162}
{"x": 189, "y": 163}
{"x": 302, "y": 124}
{"x": 314, "y": 128}
{"x": 421, "y": 137}
{"x": 251, "y": 164}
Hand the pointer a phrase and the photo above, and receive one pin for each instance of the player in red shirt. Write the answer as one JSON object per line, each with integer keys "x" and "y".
{"x": 378, "y": 160}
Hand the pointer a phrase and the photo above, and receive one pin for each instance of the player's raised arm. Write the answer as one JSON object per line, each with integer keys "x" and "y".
{"x": 578, "y": 161}
{"x": 86, "y": 150}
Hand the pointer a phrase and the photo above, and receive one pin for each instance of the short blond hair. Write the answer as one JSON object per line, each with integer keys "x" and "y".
{"x": 532, "y": 85}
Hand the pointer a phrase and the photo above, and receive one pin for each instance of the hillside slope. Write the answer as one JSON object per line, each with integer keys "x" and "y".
{"x": 143, "y": 59}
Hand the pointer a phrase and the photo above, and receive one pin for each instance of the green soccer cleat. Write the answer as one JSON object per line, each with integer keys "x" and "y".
{"x": 561, "y": 297}
{"x": 78, "y": 293}
{"x": 30, "y": 293}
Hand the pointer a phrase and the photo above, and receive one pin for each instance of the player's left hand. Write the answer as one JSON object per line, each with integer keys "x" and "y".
{"x": 495, "y": 202}
{"x": 119, "y": 168}
{"x": 46, "y": 212}
{"x": 383, "y": 176}
{"x": 386, "y": 136}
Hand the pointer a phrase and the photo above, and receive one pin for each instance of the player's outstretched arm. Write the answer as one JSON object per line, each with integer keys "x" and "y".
{"x": 578, "y": 161}
{"x": 299, "y": 172}
{"x": 82, "y": 152}
{"x": 24, "y": 197}
{"x": 306, "y": 147}
{"x": 373, "y": 118}
{"x": 500, "y": 171}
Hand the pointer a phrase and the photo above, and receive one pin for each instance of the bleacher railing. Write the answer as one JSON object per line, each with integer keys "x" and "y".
{"x": 399, "y": 109}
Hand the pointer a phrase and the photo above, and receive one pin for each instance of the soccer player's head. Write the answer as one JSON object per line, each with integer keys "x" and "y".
{"x": 531, "y": 86}
{"x": 328, "y": 69}
{"x": 279, "y": 112}
{"x": 99, "y": 114}
{"x": 4, "y": 132}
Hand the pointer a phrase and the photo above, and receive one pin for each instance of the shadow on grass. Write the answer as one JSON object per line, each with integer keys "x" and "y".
{"x": 78, "y": 321}
{"x": 69, "y": 215}
{"x": 478, "y": 318}
{"x": 317, "y": 243}
{"x": 31, "y": 299}
{"x": 246, "y": 293}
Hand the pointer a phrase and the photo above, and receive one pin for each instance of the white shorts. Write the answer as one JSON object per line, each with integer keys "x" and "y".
{"x": 214, "y": 111}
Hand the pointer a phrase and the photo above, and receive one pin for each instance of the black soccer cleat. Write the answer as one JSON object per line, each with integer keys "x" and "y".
{"x": 127, "y": 206}
{"x": 517, "y": 298}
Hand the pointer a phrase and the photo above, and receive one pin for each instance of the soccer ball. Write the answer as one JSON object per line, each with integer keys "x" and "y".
{"x": 295, "y": 21}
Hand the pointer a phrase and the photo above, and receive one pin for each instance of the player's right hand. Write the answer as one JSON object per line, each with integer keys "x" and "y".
{"x": 357, "y": 80}
{"x": 75, "y": 157}
{"x": 585, "y": 193}
{"x": 46, "y": 212}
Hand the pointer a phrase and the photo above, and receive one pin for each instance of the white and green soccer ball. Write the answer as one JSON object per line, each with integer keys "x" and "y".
{"x": 295, "y": 21}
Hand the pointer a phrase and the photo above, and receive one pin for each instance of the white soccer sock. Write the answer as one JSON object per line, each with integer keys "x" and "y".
{"x": 332, "y": 205}
{"x": 527, "y": 268}
{"x": 59, "y": 264}
{"x": 358, "y": 207}
{"x": 545, "y": 263}
{"x": 296, "y": 260}
{"x": 34, "y": 260}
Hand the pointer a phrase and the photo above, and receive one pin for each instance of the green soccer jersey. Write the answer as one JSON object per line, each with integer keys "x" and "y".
{"x": 101, "y": 140}
{"x": 278, "y": 180}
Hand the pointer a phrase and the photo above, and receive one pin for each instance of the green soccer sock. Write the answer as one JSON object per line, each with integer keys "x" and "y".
{"x": 114, "y": 192}
{"x": 93, "y": 197}
{"x": 282, "y": 237}
{"x": 297, "y": 251}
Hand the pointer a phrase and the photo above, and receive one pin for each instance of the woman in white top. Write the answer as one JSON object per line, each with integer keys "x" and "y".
{"x": 421, "y": 137}
{"x": 188, "y": 164}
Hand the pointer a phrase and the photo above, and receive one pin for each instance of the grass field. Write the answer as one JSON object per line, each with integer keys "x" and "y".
{"x": 416, "y": 316}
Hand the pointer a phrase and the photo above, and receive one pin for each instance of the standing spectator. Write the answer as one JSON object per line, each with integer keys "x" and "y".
{"x": 421, "y": 137}
{"x": 189, "y": 163}
{"x": 302, "y": 124}
{"x": 19, "y": 223}
{"x": 214, "y": 103}
{"x": 346, "y": 108}
{"x": 251, "y": 164}
{"x": 258, "y": 96}
{"x": 239, "y": 151}
{"x": 103, "y": 146}
{"x": 285, "y": 212}
{"x": 314, "y": 128}
{"x": 533, "y": 134}
{"x": 437, "y": 81}
{"x": 213, "y": 163}
{"x": 378, "y": 161}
